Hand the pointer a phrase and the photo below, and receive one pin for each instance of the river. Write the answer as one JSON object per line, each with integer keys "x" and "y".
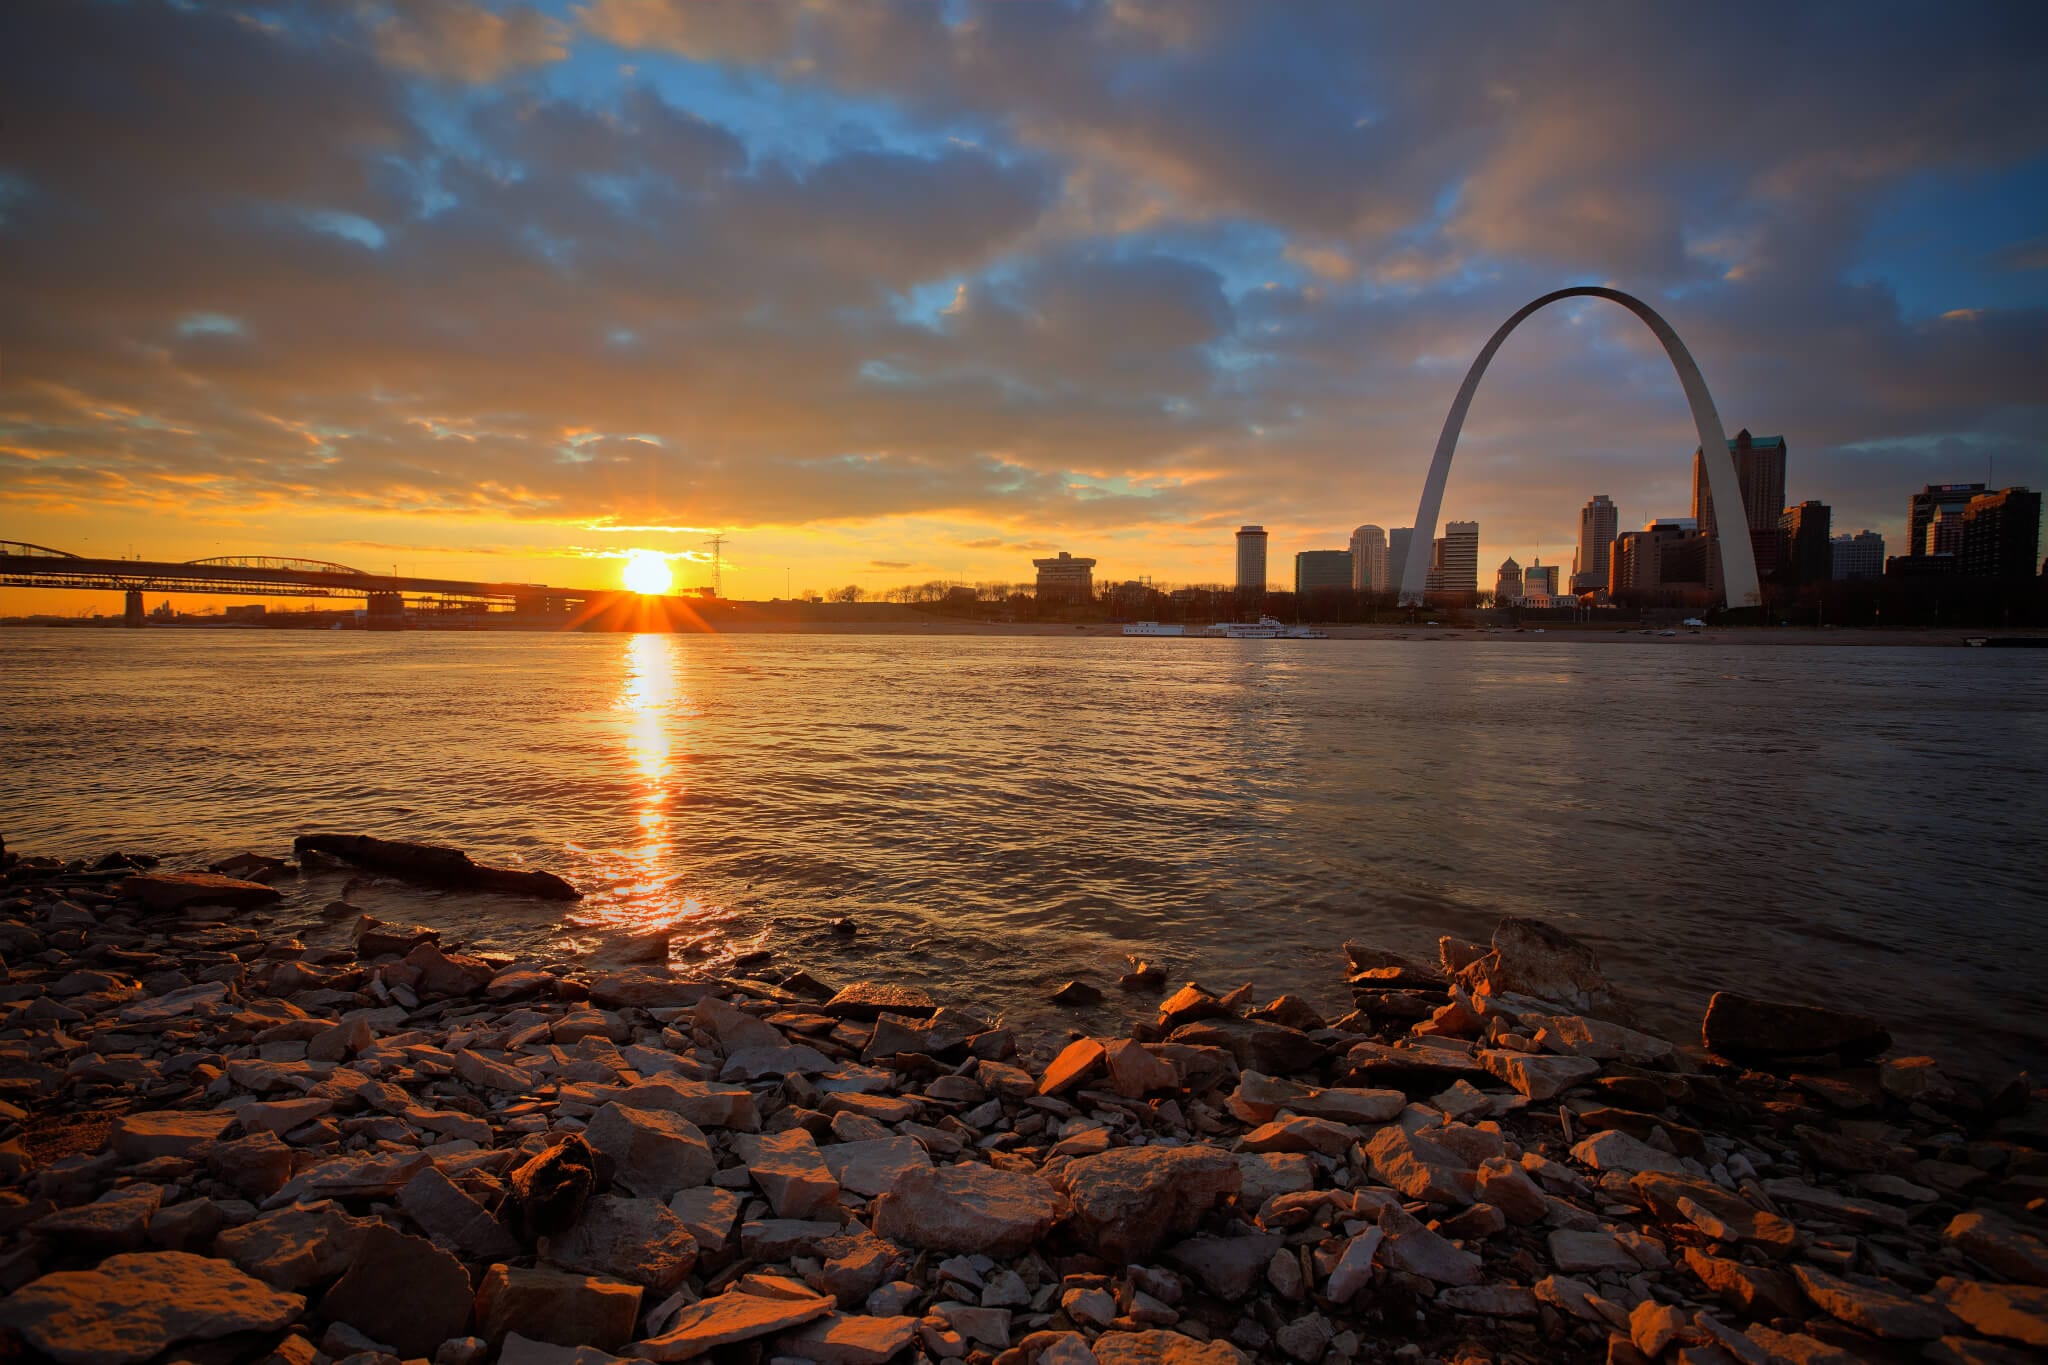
{"x": 1860, "y": 826}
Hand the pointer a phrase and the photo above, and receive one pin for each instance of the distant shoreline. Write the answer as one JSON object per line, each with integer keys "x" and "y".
{"x": 1798, "y": 636}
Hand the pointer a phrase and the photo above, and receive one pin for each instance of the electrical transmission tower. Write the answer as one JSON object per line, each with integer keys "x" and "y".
{"x": 717, "y": 547}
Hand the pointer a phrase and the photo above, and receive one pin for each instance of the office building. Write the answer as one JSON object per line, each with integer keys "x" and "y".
{"x": 1927, "y": 503}
{"x": 1669, "y": 553}
{"x": 1760, "y": 478}
{"x": 1807, "y": 552}
{"x": 1858, "y": 558}
{"x": 1539, "y": 580}
{"x": 1369, "y": 559}
{"x": 1507, "y": 583}
{"x": 1064, "y": 578}
{"x": 2002, "y": 534}
{"x": 1944, "y": 531}
{"x": 1598, "y": 522}
{"x": 1251, "y": 559}
{"x": 1316, "y": 570}
{"x": 1454, "y": 559}
{"x": 1398, "y": 541}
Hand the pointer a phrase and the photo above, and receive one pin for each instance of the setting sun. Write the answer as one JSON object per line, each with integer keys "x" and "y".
{"x": 647, "y": 571}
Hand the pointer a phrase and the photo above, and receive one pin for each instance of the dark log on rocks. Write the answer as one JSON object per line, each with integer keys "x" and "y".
{"x": 449, "y": 867}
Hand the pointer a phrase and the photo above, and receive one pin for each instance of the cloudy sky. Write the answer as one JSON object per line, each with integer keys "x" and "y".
{"x": 889, "y": 292}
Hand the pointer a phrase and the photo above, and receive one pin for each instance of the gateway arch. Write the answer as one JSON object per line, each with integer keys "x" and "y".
{"x": 1738, "y": 562}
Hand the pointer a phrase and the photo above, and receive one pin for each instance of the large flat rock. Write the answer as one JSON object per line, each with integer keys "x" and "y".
{"x": 134, "y": 1306}
{"x": 166, "y": 891}
{"x": 967, "y": 1207}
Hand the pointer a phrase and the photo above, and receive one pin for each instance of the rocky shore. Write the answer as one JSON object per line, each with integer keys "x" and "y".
{"x": 220, "y": 1145}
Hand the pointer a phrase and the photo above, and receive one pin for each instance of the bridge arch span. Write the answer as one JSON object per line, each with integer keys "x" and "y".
{"x": 28, "y": 551}
{"x": 1738, "y": 562}
{"x": 278, "y": 562}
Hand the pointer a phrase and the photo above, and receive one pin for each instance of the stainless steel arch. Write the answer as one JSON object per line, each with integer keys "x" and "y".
{"x": 1738, "y": 562}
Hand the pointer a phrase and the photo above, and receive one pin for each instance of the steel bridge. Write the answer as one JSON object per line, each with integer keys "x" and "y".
{"x": 37, "y": 566}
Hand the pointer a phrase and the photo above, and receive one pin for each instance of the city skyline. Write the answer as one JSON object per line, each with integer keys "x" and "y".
{"x": 510, "y": 291}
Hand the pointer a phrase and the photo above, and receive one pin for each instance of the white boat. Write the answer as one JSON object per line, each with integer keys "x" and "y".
{"x": 1268, "y": 628}
{"x": 1153, "y": 628}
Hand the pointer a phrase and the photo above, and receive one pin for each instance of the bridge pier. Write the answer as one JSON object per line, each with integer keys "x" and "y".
{"x": 131, "y": 613}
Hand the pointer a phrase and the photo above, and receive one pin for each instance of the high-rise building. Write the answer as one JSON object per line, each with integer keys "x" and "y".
{"x": 1454, "y": 559}
{"x": 1599, "y": 519}
{"x": 1944, "y": 531}
{"x": 1507, "y": 583}
{"x": 1318, "y": 569}
{"x": 1924, "y": 505}
{"x": 2002, "y": 534}
{"x": 1760, "y": 478}
{"x": 1064, "y": 578}
{"x": 1809, "y": 554}
{"x": 1251, "y": 559}
{"x": 1398, "y": 541}
{"x": 1369, "y": 559}
{"x": 1539, "y": 580}
{"x": 1858, "y": 558}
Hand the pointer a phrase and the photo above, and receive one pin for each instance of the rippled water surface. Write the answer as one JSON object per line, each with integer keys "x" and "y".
{"x": 1864, "y": 825}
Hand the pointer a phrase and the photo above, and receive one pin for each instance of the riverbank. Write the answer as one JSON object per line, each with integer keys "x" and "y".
{"x": 223, "y": 1145}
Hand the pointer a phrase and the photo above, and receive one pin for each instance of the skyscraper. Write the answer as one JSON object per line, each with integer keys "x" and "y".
{"x": 1454, "y": 559}
{"x": 1251, "y": 559}
{"x": 1809, "y": 555}
{"x": 1318, "y": 569}
{"x": 1859, "y": 557}
{"x": 1760, "y": 478}
{"x": 1369, "y": 559}
{"x": 1398, "y": 541}
{"x": 2002, "y": 534}
{"x": 1923, "y": 506}
{"x": 1599, "y": 519}
{"x": 1507, "y": 583}
{"x": 1944, "y": 531}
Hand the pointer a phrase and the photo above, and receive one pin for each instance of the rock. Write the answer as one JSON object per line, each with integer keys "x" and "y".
{"x": 872, "y": 1166}
{"x": 1255, "y": 1043}
{"x": 169, "y": 1132}
{"x": 167, "y": 891}
{"x": 189, "y": 1225}
{"x": 1540, "y": 1078}
{"x": 1353, "y": 1270}
{"x": 1489, "y": 1300}
{"x": 787, "y": 1168}
{"x": 1530, "y": 957}
{"x": 1575, "y": 1035}
{"x": 709, "y": 1213}
{"x": 856, "y": 1265}
{"x": 1746, "y": 1028}
{"x": 257, "y": 1165}
{"x": 433, "y": 866}
{"x": 117, "y": 1221}
{"x": 1227, "y": 1266}
{"x": 2002, "y": 1246}
{"x": 2010, "y": 1312}
{"x": 1078, "y": 994}
{"x": 402, "y": 1290}
{"x": 1419, "y": 1168}
{"x": 1755, "y": 1291}
{"x": 1187, "y": 1005}
{"x": 1654, "y": 1326}
{"x": 647, "y": 988}
{"x": 654, "y": 1153}
{"x": 636, "y": 1240}
{"x": 448, "y": 973}
{"x": 846, "y": 1339}
{"x": 729, "y": 1317}
{"x": 1416, "y": 1249}
{"x": 1350, "y": 1106}
{"x": 1265, "y": 1174}
{"x": 1162, "y": 1348}
{"x": 375, "y": 938}
{"x": 1299, "y": 1134}
{"x": 134, "y": 1306}
{"x": 1091, "y": 1307}
{"x": 1589, "y": 1251}
{"x": 705, "y": 1104}
{"x": 869, "y": 1000}
{"x": 989, "y": 1326}
{"x": 1667, "y": 1196}
{"x": 966, "y": 1207}
{"x": 298, "y": 1247}
{"x": 1129, "y": 1201}
{"x": 1078, "y": 1061}
{"x": 1505, "y": 1185}
{"x": 487, "y": 1074}
{"x": 1615, "y": 1150}
{"x": 547, "y": 1305}
{"x": 281, "y": 1116}
{"x": 1135, "y": 1072}
{"x": 524, "y": 1351}
{"x": 444, "y": 1210}
{"x": 550, "y": 1189}
{"x": 1306, "y": 1338}
{"x": 1877, "y": 1311}
{"x": 454, "y": 1351}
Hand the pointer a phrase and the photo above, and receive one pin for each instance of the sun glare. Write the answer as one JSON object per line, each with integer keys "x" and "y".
{"x": 647, "y": 572}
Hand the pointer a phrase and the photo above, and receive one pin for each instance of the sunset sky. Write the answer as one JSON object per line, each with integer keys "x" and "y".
{"x": 892, "y": 292}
